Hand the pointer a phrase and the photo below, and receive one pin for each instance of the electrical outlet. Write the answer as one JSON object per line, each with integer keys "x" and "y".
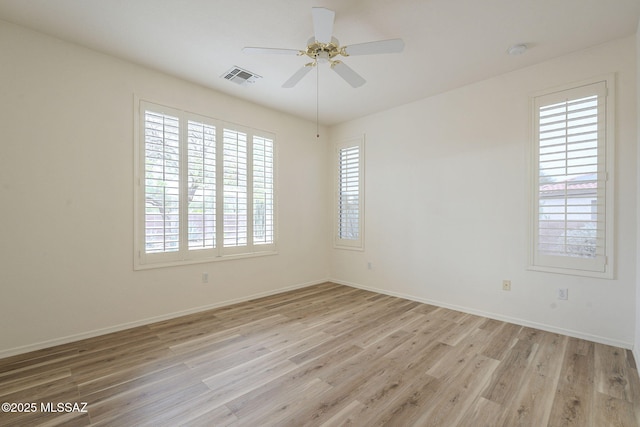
{"x": 506, "y": 285}
{"x": 563, "y": 293}
{"x": 205, "y": 277}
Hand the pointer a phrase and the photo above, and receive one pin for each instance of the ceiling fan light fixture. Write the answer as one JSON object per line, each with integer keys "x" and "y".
{"x": 323, "y": 56}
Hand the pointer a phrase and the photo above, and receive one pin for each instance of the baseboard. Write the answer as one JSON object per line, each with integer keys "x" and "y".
{"x": 103, "y": 331}
{"x": 495, "y": 316}
{"x": 120, "y": 327}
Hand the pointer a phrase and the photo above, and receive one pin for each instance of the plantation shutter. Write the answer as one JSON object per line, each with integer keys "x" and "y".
{"x": 235, "y": 188}
{"x": 349, "y": 194}
{"x": 161, "y": 183}
{"x": 263, "y": 191}
{"x": 571, "y": 179}
{"x": 201, "y": 182}
{"x": 205, "y": 189}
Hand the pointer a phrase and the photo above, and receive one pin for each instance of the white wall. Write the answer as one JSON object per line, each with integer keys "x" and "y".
{"x": 446, "y": 197}
{"x": 66, "y": 188}
{"x": 636, "y": 348}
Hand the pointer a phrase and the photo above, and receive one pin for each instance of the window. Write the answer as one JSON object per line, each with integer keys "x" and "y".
{"x": 572, "y": 184}
{"x": 349, "y": 195}
{"x": 205, "y": 189}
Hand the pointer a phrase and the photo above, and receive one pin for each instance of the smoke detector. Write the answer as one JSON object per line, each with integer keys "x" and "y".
{"x": 517, "y": 49}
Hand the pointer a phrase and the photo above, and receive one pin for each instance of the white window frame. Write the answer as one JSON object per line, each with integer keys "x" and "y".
{"x": 602, "y": 264}
{"x": 144, "y": 260}
{"x": 340, "y": 241}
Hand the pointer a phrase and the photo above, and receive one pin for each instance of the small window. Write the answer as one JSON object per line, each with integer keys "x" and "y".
{"x": 349, "y": 195}
{"x": 205, "y": 189}
{"x": 572, "y": 184}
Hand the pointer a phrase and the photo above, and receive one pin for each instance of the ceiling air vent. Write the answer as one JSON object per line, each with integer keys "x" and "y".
{"x": 240, "y": 76}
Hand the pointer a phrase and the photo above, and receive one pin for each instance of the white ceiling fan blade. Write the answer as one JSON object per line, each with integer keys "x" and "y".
{"x": 371, "y": 48}
{"x": 322, "y": 23}
{"x": 297, "y": 76}
{"x": 270, "y": 50}
{"x": 347, "y": 73}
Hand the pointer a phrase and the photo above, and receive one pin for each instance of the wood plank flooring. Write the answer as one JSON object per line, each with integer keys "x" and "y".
{"x": 326, "y": 355}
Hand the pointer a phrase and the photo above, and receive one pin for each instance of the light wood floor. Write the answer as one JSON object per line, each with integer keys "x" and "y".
{"x": 327, "y": 355}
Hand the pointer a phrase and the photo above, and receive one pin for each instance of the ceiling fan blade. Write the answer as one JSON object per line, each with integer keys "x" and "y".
{"x": 370, "y": 48}
{"x": 297, "y": 76}
{"x": 347, "y": 73}
{"x": 322, "y": 23}
{"x": 270, "y": 50}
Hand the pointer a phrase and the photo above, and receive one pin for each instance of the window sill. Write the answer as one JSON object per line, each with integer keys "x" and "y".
{"x": 163, "y": 264}
{"x": 572, "y": 272}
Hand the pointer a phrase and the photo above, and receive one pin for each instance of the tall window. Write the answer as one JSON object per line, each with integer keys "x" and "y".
{"x": 263, "y": 197}
{"x": 235, "y": 188}
{"x": 205, "y": 189}
{"x": 571, "y": 226}
{"x": 201, "y": 185}
{"x": 349, "y": 195}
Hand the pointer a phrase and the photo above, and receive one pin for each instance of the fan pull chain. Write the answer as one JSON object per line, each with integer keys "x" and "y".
{"x": 317, "y": 101}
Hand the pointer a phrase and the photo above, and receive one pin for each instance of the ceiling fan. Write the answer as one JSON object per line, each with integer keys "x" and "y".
{"x": 323, "y": 47}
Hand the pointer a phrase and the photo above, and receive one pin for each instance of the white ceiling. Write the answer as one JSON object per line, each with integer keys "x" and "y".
{"x": 448, "y": 43}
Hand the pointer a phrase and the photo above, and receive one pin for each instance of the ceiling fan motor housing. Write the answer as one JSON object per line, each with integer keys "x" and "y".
{"x": 323, "y": 52}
